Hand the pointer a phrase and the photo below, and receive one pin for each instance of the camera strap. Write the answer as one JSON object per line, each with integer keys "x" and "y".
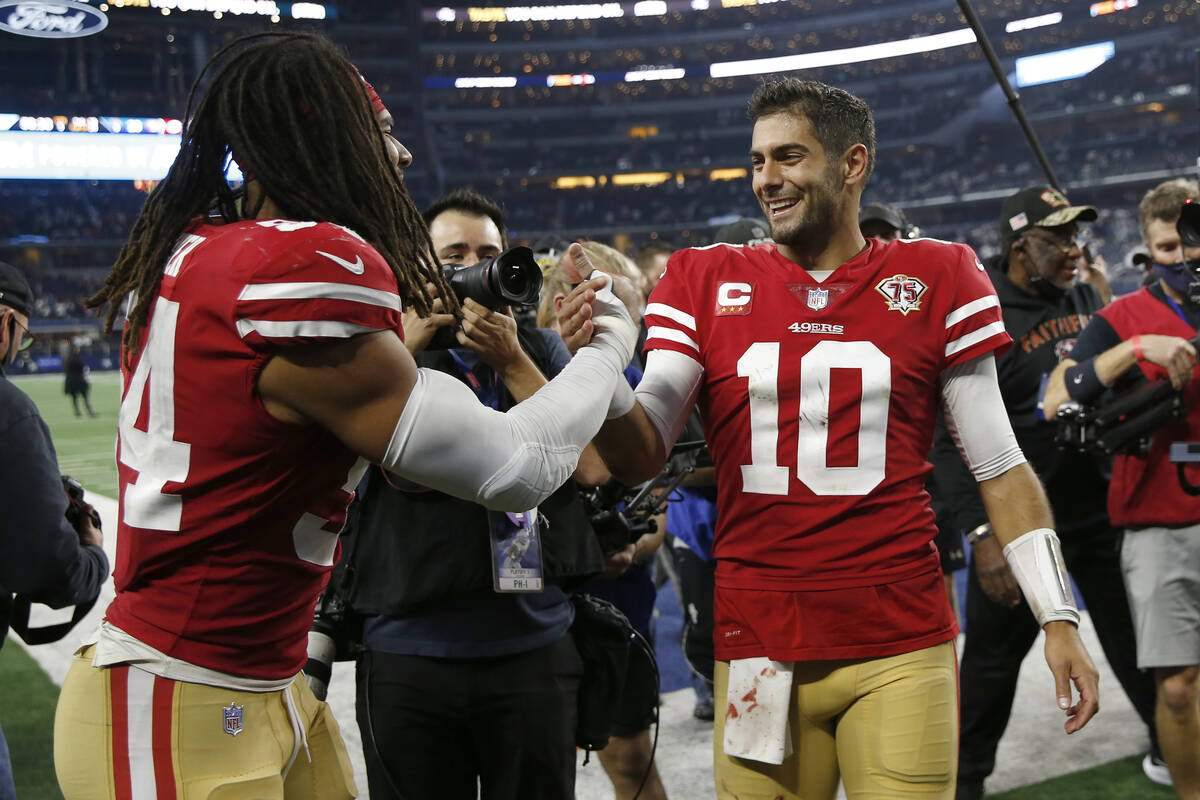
{"x": 19, "y": 622}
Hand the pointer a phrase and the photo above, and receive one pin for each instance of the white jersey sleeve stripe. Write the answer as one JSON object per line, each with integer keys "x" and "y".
{"x": 670, "y": 334}
{"x": 320, "y": 291}
{"x": 664, "y": 310}
{"x": 973, "y": 338}
{"x": 301, "y": 329}
{"x": 971, "y": 308}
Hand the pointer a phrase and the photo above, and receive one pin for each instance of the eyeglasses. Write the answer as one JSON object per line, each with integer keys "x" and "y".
{"x": 1064, "y": 240}
{"x": 27, "y": 339}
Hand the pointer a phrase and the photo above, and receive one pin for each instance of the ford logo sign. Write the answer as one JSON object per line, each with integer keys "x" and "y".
{"x": 51, "y": 19}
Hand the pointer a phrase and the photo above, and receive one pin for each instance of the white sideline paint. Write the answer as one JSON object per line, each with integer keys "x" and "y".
{"x": 1033, "y": 749}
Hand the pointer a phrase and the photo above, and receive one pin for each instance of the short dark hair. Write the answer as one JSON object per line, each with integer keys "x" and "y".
{"x": 468, "y": 201}
{"x": 839, "y": 119}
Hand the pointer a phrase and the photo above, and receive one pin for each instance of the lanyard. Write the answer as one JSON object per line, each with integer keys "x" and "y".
{"x": 1178, "y": 309}
{"x": 487, "y": 391}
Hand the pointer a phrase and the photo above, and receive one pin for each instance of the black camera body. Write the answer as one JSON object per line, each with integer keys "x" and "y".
{"x": 616, "y": 528}
{"x": 1188, "y": 227}
{"x": 77, "y": 508}
{"x": 512, "y": 278}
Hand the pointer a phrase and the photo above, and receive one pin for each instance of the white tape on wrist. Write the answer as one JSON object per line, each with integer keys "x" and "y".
{"x": 1037, "y": 562}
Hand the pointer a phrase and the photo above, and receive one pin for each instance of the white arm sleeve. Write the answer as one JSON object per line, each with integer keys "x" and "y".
{"x": 668, "y": 391}
{"x": 977, "y": 419}
{"x": 447, "y": 440}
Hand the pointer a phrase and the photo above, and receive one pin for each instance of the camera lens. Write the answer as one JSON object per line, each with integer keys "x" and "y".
{"x": 515, "y": 276}
{"x": 1189, "y": 224}
{"x": 512, "y": 279}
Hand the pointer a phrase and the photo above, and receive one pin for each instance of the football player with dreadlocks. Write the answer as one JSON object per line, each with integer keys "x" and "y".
{"x": 263, "y": 369}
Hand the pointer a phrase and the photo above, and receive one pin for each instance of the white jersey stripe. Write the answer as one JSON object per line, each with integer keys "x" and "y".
{"x": 973, "y": 338}
{"x": 300, "y": 328}
{"x": 140, "y": 727}
{"x": 664, "y": 310}
{"x": 973, "y": 307}
{"x": 672, "y": 335}
{"x": 320, "y": 291}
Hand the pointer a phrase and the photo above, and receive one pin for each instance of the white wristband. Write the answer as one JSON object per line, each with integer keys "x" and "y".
{"x": 1037, "y": 562}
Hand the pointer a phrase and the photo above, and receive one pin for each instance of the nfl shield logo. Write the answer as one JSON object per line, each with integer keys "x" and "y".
{"x": 818, "y": 299}
{"x": 233, "y": 719}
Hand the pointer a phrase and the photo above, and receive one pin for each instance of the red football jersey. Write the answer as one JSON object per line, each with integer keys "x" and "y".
{"x": 819, "y": 402}
{"x": 230, "y": 517}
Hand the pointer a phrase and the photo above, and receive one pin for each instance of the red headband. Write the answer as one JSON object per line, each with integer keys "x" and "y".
{"x": 376, "y": 103}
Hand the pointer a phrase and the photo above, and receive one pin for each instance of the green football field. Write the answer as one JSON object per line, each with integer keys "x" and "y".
{"x": 85, "y": 450}
{"x": 85, "y": 444}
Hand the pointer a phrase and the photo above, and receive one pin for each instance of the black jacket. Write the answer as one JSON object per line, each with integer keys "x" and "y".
{"x": 40, "y": 554}
{"x": 1043, "y": 332}
{"x": 405, "y": 547}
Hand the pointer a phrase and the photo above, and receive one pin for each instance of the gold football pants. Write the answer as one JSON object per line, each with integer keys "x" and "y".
{"x": 888, "y": 727}
{"x": 121, "y": 733}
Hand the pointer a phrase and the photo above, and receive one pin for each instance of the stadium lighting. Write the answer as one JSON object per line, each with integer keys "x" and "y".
{"x": 545, "y": 13}
{"x": 501, "y": 82}
{"x": 650, "y": 8}
{"x": 847, "y": 55}
{"x": 1111, "y": 7}
{"x": 89, "y": 156}
{"x": 1033, "y": 22}
{"x": 574, "y": 182}
{"x": 659, "y": 74}
{"x": 1063, "y": 65}
{"x": 308, "y": 11}
{"x": 728, "y": 174}
{"x": 641, "y": 178}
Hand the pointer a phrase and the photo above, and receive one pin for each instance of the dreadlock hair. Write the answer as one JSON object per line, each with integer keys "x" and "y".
{"x": 294, "y": 113}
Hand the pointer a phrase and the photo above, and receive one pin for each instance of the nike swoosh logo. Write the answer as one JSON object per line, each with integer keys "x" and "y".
{"x": 1079, "y": 379}
{"x": 356, "y": 267}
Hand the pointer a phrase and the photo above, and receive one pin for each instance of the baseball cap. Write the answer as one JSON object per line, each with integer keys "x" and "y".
{"x": 1040, "y": 207}
{"x": 743, "y": 231}
{"x": 14, "y": 289}
{"x": 881, "y": 212}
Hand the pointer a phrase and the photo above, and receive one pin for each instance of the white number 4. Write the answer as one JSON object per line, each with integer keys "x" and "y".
{"x": 153, "y": 452}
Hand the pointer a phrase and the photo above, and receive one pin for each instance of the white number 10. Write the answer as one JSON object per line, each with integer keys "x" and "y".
{"x": 760, "y": 366}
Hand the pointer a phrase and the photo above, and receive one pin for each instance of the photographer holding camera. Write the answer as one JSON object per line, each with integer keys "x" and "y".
{"x": 469, "y": 671}
{"x": 1144, "y": 336}
{"x": 1045, "y": 304}
{"x": 43, "y": 556}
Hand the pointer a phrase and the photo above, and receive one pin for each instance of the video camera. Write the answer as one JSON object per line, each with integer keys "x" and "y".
{"x": 617, "y": 525}
{"x": 1124, "y": 424}
{"x": 512, "y": 278}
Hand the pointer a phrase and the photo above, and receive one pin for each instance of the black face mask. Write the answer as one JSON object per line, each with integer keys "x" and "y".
{"x": 1183, "y": 277}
